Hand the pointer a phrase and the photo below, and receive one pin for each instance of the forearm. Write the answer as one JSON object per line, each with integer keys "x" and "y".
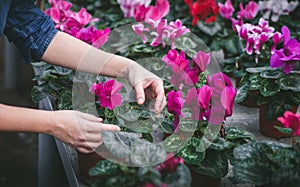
{"x": 19, "y": 119}
{"x": 67, "y": 51}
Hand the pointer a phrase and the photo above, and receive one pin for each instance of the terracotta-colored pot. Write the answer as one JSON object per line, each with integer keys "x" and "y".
{"x": 199, "y": 180}
{"x": 86, "y": 162}
{"x": 267, "y": 127}
{"x": 250, "y": 100}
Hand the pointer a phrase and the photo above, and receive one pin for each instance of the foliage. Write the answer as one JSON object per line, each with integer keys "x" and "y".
{"x": 276, "y": 89}
{"x": 266, "y": 164}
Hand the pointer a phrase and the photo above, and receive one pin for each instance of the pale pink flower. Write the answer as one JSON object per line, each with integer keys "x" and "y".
{"x": 249, "y": 12}
{"x": 128, "y": 6}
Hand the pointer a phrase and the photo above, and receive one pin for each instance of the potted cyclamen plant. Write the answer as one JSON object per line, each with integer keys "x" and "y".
{"x": 190, "y": 131}
{"x": 269, "y": 163}
{"x": 277, "y": 86}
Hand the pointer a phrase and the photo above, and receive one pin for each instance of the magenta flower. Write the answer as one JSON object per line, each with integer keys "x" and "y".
{"x": 191, "y": 97}
{"x": 175, "y": 104}
{"x": 128, "y": 6}
{"x": 226, "y": 10}
{"x": 201, "y": 61}
{"x": 218, "y": 82}
{"x": 180, "y": 68}
{"x": 83, "y": 17}
{"x": 249, "y": 12}
{"x": 156, "y": 13}
{"x": 91, "y": 35}
{"x": 204, "y": 97}
{"x": 108, "y": 93}
{"x": 170, "y": 165}
{"x": 227, "y": 100}
{"x": 235, "y": 23}
{"x": 287, "y": 56}
{"x": 177, "y": 61}
{"x": 277, "y": 38}
{"x": 291, "y": 120}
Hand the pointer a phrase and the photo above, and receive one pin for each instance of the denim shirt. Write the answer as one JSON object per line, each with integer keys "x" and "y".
{"x": 27, "y": 27}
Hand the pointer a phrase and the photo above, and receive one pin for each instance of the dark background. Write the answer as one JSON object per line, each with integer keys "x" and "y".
{"x": 18, "y": 157}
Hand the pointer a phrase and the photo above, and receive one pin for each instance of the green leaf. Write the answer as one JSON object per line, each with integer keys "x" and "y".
{"x": 39, "y": 92}
{"x": 188, "y": 125}
{"x": 119, "y": 143}
{"x": 228, "y": 68}
{"x": 38, "y": 64}
{"x": 167, "y": 126}
{"x": 269, "y": 88}
{"x": 284, "y": 130}
{"x": 65, "y": 100}
{"x": 104, "y": 167}
{"x": 255, "y": 81}
{"x": 290, "y": 82}
{"x": 182, "y": 177}
{"x": 233, "y": 133}
{"x": 214, "y": 165}
{"x": 272, "y": 74}
{"x": 173, "y": 143}
{"x": 144, "y": 153}
{"x": 295, "y": 97}
{"x": 257, "y": 69}
{"x": 276, "y": 109}
{"x": 62, "y": 70}
{"x": 193, "y": 152}
{"x": 266, "y": 163}
{"x": 242, "y": 93}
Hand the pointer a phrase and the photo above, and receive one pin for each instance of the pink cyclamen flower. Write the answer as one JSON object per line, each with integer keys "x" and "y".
{"x": 92, "y": 35}
{"x": 157, "y": 12}
{"x": 175, "y": 104}
{"x": 288, "y": 55}
{"x": 291, "y": 120}
{"x": 108, "y": 93}
{"x": 170, "y": 165}
{"x": 128, "y": 6}
{"x": 277, "y": 38}
{"x": 249, "y": 12}
{"x": 226, "y": 10}
{"x": 83, "y": 17}
{"x": 176, "y": 30}
{"x": 204, "y": 96}
{"x": 201, "y": 61}
{"x": 236, "y": 23}
{"x": 191, "y": 97}
{"x": 140, "y": 30}
{"x": 227, "y": 100}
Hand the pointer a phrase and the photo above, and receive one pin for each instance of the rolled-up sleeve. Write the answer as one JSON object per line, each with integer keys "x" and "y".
{"x": 29, "y": 29}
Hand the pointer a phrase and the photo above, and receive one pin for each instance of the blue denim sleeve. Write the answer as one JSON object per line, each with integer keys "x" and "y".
{"x": 29, "y": 29}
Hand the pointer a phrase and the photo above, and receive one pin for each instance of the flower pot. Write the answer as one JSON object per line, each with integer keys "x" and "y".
{"x": 267, "y": 127}
{"x": 250, "y": 100}
{"x": 199, "y": 179}
{"x": 86, "y": 162}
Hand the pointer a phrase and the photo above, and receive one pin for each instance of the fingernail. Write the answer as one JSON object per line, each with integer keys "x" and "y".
{"x": 140, "y": 100}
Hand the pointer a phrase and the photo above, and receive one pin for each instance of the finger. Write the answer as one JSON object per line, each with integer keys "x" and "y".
{"x": 84, "y": 150}
{"x": 160, "y": 102}
{"x": 110, "y": 127}
{"x": 140, "y": 94}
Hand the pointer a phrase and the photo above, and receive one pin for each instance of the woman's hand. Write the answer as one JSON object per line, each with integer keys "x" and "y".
{"x": 146, "y": 85}
{"x": 80, "y": 130}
